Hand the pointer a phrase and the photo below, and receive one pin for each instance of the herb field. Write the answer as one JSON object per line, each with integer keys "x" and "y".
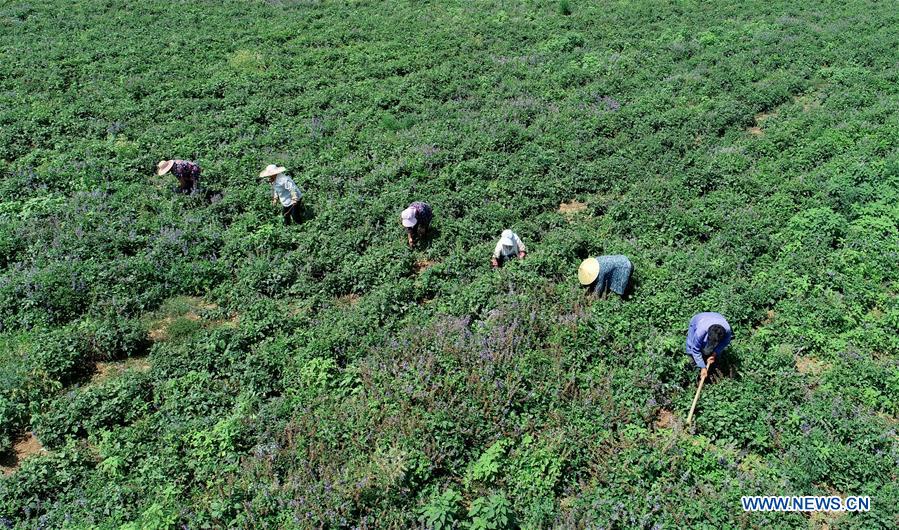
{"x": 186, "y": 361}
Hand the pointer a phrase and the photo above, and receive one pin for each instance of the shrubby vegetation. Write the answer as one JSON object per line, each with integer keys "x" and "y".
{"x": 744, "y": 157}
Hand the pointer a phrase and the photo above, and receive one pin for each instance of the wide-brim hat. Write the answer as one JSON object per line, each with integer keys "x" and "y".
{"x": 408, "y": 217}
{"x": 164, "y": 166}
{"x": 507, "y": 238}
{"x": 588, "y": 271}
{"x": 272, "y": 169}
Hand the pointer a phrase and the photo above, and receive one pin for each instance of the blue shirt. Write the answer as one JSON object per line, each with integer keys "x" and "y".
{"x": 285, "y": 190}
{"x": 614, "y": 274}
{"x": 698, "y": 332}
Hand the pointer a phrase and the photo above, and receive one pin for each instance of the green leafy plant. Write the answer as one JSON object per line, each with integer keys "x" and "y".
{"x": 491, "y": 513}
{"x": 487, "y": 468}
{"x": 442, "y": 511}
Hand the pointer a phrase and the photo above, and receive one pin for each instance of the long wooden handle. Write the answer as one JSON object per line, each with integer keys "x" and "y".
{"x": 695, "y": 399}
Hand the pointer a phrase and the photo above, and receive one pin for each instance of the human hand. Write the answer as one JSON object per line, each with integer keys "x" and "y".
{"x": 522, "y": 254}
{"x": 704, "y": 373}
{"x": 710, "y": 360}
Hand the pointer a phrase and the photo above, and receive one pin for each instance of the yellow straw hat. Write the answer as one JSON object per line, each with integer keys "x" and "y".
{"x": 164, "y": 166}
{"x": 588, "y": 271}
{"x": 271, "y": 170}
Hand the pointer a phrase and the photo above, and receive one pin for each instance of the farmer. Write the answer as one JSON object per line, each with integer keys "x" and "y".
{"x": 417, "y": 219}
{"x": 509, "y": 247}
{"x": 187, "y": 173}
{"x": 605, "y": 273}
{"x": 707, "y": 337}
{"x": 285, "y": 190}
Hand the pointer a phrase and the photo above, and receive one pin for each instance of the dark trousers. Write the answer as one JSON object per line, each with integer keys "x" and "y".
{"x": 293, "y": 213}
{"x": 419, "y": 230}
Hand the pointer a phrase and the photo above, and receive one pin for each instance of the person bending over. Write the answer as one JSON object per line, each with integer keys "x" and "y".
{"x": 708, "y": 336}
{"x": 187, "y": 173}
{"x": 509, "y": 247}
{"x": 416, "y": 219}
{"x": 605, "y": 273}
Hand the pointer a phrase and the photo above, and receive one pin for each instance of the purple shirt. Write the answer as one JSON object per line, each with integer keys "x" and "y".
{"x": 188, "y": 175}
{"x": 423, "y": 213}
{"x": 699, "y": 329}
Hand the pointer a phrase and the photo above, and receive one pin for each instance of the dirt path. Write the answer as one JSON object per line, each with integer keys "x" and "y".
{"x": 22, "y": 449}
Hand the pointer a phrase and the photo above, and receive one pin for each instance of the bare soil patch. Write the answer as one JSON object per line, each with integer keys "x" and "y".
{"x": 572, "y": 207}
{"x": 22, "y": 449}
{"x": 760, "y": 120}
{"x": 348, "y": 299}
{"x": 810, "y": 365}
{"x": 423, "y": 265}
{"x": 105, "y": 370}
{"x": 665, "y": 420}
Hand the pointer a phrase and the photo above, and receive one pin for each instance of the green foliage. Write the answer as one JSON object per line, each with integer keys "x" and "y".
{"x": 442, "y": 511}
{"x": 486, "y": 468}
{"x": 113, "y": 338}
{"x": 93, "y": 409}
{"x": 743, "y": 155}
{"x": 491, "y": 513}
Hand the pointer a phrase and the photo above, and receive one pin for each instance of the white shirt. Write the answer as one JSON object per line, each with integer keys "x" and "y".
{"x": 285, "y": 190}
{"x": 509, "y": 252}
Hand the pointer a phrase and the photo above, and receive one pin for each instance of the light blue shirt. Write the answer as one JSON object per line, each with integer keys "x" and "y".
{"x": 285, "y": 190}
{"x": 699, "y": 330}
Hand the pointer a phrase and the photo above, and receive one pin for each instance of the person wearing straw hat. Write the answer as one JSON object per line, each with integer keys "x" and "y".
{"x": 708, "y": 335}
{"x": 416, "y": 219}
{"x": 285, "y": 191}
{"x": 187, "y": 173}
{"x": 509, "y": 247}
{"x": 605, "y": 273}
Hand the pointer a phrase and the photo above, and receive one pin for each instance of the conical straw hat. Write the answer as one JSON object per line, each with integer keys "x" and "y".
{"x": 164, "y": 166}
{"x": 270, "y": 170}
{"x": 588, "y": 271}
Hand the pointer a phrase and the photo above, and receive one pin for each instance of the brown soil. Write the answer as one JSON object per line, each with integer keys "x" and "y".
{"x": 22, "y": 449}
{"x": 573, "y": 207}
{"x": 160, "y": 329}
{"x": 348, "y": 299}
{"x": 760, "y": 120}
{"x": 810, "y": 366}
{"x": 763, "y": 116}
{"x": 665, "y": 420}
{"x": 105, "y": 370}
{"x": 423, "y": 265}
{"x": 232, "y": 322}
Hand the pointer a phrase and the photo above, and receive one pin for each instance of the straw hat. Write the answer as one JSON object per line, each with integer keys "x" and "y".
{"x": 408, "y": 217}
{"x": 164, "y": 166}
{"x": 588, "y": 271}
{"x": 271, "y": 169}
{"x": 507, "y": 238}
